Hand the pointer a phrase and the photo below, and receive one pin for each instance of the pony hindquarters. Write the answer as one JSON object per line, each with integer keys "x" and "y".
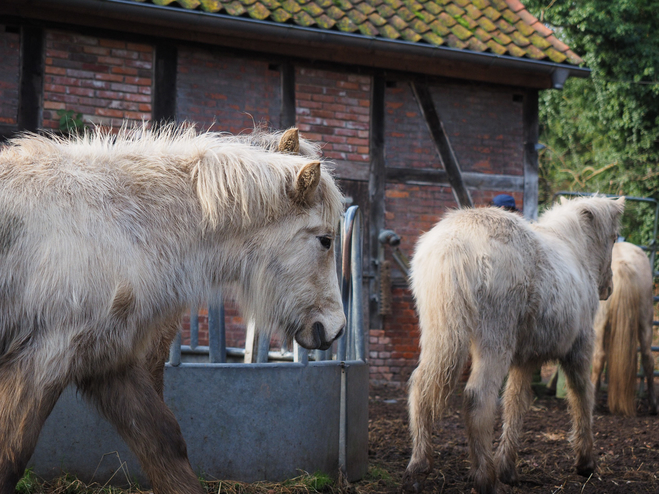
{"x": 622, "y": 319}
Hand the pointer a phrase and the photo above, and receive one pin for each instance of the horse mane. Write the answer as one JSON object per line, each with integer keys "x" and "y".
{"x": 239, "y": 180}
{"x": 581, "y": 221}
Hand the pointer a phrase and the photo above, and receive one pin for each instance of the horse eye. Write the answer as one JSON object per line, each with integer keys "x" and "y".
{"x": 325, "y": 241}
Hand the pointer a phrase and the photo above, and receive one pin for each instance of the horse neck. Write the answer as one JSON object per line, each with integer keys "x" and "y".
{"x": 570, "y": 233}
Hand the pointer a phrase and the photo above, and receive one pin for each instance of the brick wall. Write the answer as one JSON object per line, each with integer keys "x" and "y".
{"x": 9, "y": 73}
{"x": 483, "y": 123}
{"x": 334, "y": 108}
{"x": 226, "y": 93}
{"x": 108, "y": 81}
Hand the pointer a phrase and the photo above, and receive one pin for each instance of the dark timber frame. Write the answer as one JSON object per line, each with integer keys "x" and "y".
{"x": 376, "y": 185}
{"x": 31, "y": 78}
{"x": 442, "y": 144}
{"x": 530, "y": 119}
{"x": 164, "y": 90}
{"x": 287, "y": 95}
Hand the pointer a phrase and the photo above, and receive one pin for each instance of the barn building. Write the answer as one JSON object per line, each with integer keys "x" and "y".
{"x": 422, "y": 105}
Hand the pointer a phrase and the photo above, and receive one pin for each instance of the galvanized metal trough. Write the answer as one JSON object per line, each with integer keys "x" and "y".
{"x": 241, "y": 421}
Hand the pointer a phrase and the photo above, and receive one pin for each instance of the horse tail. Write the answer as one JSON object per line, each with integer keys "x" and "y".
{"x": 623, "y": 315}
{"x": 442, "y": 286}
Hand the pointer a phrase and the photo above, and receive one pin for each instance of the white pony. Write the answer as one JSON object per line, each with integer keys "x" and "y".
{"x": 102, "y": 238}
{"x": 513, "y": 295}
{"x": 622, "y": 321}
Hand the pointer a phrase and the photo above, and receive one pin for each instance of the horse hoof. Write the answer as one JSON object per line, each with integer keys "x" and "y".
{"x": 509, "y": 476}
{"x": 586, "y": 469}
{"x": 411, "y": 486}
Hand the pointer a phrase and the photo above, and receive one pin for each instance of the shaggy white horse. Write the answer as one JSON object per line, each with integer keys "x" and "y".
{"x": 513, "y": 295}
{"x": 622, "y": 321}
{"x": 104, "y": 237}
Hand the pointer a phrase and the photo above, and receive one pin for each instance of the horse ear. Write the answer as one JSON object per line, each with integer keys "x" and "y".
{"x": 620, "y": 202}
{"x": 306, "y": 183}
{"x": 290, "y": 142}
{"x": 562, "y": 199}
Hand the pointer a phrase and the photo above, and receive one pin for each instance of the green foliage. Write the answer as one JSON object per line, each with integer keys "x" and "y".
{"x": 602, "y": 133}
{"x": 70, "y": 122}
{"x": 28, "y": 484}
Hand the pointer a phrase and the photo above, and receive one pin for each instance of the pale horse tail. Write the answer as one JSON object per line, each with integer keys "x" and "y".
{"x": 442, "y": 282}
{"x": 623, "y": 319}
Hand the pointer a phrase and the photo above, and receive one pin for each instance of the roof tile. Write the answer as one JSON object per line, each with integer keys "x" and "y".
{"x": 486, "y": 24}
{"x": 433, "y": 8}
{"x": 280, "y": 15}
{"x": 439, "y": 28}
{"x": 290, "y": 6}
{"x": 510, "y": 16}
{"x": 385, "y": 11}
{"x": 454, "y": 10}
{"x": 503, "y": 27}
{"x": 476, "y": 45}
{"x": 365, "y": 8}
{"x": 368, "y": 29}
{"x": 356, "y": 16}
{"x": 211, "y": 5}
{"x": 377, "y": 19}
{"x": 325, "y": 22}
{"x": 398, "y": 23}
{"x": 335, "y": 13}
{"x": 454, "y": 42}
{"x": 346, "y": 25}
{"x": 496, "y": 47}
{"x": 313, "y": 9}
{"x": 491, "y": 14}
{"x": 433, "y": 39}
{"x": 405, "y": 14}
{"x": 389, "y": 32}
{"x": 482, "y": 35}
{"x": 520, "y": 40}
{"x": 258, "y": 11}
{"x": 515, "y": 50}
{"x": 446, "y": 19}
{"x": 419, "y": 26}
{"x": 540, "y": 42}
{"x": 555, "y": 56}
{"x": 303, "y": 19}
{"x": 473, "y": 12}
{"x": 236, "y": 8}
{"x": 410, "y": 35}
{"x": 462, "y": 33}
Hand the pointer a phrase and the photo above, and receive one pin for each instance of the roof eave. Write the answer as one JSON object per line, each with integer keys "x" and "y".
{"x": 200, "y": 21}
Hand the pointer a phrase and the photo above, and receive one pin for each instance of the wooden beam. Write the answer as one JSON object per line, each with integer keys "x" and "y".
{"x": 530, "y": 119}
{"x": 473, "y": 180}
{"x": 442, "y": 144}
{"x": 7, "y": 131}
{"x": 287, "y": 95}
{"x": 30, "y": 78}
{"x": 376, "y": 185}
{"x": 164, "y": 86}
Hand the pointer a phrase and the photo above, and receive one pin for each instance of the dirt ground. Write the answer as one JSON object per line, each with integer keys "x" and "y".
{"x": 627, "y": 449}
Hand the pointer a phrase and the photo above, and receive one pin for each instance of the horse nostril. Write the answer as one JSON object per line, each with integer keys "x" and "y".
{"x": 319, "y": 333}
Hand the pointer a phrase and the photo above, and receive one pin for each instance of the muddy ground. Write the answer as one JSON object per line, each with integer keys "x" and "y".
{"x": 627, "y": 449}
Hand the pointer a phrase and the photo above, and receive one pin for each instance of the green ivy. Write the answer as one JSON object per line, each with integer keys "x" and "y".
{"x": 70, "y": 122}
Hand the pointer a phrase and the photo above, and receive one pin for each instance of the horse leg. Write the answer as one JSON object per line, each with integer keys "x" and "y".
{"x": 24, "y": 407}
{"x": 599, "y": 357}
{"x": 645, "y": 341}
{"x": 159, "y": 353}
{"x": 130, "y": 402}
{"x": 480, "y": 401}
{"x": 516, "y": 400}
{"x": 580, "y": 399}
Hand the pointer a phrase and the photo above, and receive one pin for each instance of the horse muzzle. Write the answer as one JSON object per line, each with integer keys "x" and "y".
{"x": 316, "y": 337}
